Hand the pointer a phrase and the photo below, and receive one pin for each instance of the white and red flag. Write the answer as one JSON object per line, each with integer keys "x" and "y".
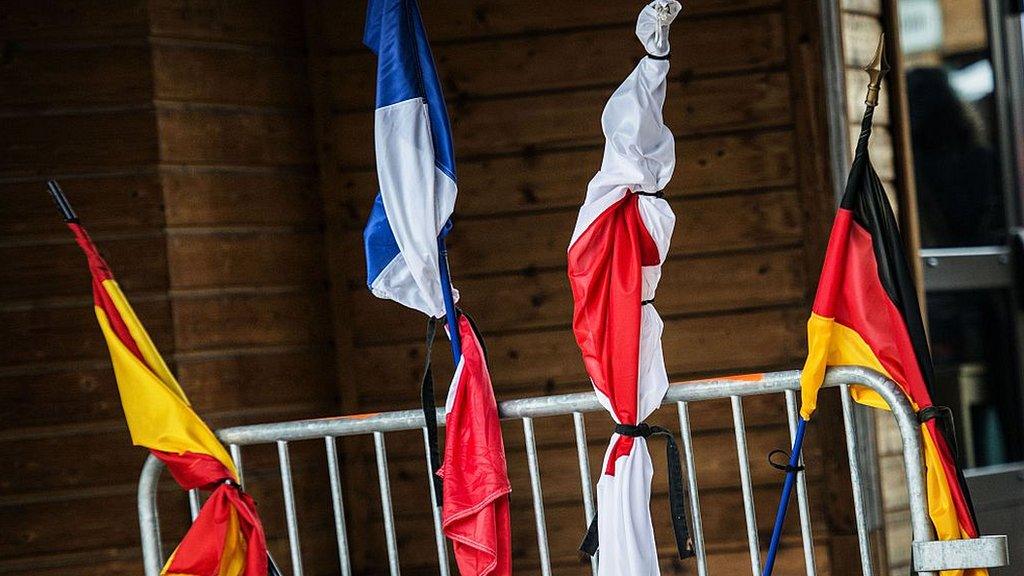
{"x": 621, "y": 239}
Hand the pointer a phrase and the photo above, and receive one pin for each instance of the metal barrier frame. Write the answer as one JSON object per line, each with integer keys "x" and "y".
{"x": 929, "y": 555}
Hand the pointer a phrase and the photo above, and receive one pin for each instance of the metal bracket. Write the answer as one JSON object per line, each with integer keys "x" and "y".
{"x": 982, "y": 552}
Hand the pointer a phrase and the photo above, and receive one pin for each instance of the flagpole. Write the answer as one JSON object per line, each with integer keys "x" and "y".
{"x": 876, "y": 70}
{"x": 449, "y": 302}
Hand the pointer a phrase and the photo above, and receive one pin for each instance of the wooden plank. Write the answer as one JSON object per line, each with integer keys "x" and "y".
{"x": 543, "y": 299}
{"x": 257, "y": 22}
{"x": 233, "y": 136}
{"x": 238, "y": 198}
{"x": 115, "y": 202}
{"x": 237, "y": 320}
{"x": 601, "y": 57}
{"x": 339, "y": 25}
{"x": 533, "y": 242}
{"x": 537, "y": 362}
{"x": 863, "y": 6}
{"x": 87, "y": 394}
{"x": 860, "y": 38}
{"x": 89, "y": 142}
{"x": 40, "y": 335}
{"x": 72, "y": 77}
{"x": 535, "y": 122}
{"x": 248, "y": 257}
{"x": 39, "y": 271}
{"x": 71, "y": 20}
{"x": 229, "y": 76}
{"x": 528, "y": 182}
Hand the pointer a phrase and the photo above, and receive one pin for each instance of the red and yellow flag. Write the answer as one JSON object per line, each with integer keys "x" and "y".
{"x": 227, "y": 537}
{"x": 866, "y": 313}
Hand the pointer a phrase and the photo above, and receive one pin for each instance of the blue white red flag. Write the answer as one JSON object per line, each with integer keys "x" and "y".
{"x": 415, "y": 162}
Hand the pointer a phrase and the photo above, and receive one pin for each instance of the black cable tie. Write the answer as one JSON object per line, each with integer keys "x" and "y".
{"x": 656, "y": 57}
{"x": 783, "y": 467}
{"x": 646, "y": 302}
{"x": 658, "y": 194}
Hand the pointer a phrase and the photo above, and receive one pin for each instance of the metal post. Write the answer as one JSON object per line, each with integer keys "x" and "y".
{"x": 855, "y": 480}
{"x": 747, "y": 485}
{"x": 435, "y": 510}
{"x": 385, "y": 502}
{"x": 290, "y": 514}
{"x": 691, "y": 479}
{"x": 338, "y": 503}
{"x": 588, "y": 491}
{"x": 538, "y": 497}
{"x": 807, "y": 536}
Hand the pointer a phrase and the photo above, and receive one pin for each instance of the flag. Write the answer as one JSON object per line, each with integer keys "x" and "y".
{"x": 227, "y": 537}
{"x": 621, "y": 239}
{"x": 866, "y": 313}
{"x": 476, "y": 485}
{"x": 415, "y": 162}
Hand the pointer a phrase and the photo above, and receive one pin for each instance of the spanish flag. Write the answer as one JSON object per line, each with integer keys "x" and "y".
{"x": 866, "y": 313}
{"x": 227, "y": 537}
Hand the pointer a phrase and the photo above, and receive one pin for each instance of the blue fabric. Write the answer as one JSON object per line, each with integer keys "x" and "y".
{"x": 378, "y": 241}
{"x": 405, "y": 68}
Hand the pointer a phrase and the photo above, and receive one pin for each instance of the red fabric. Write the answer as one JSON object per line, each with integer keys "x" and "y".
{"x": 202, "y": 549}
{"x": 605, "y": 271}
{"x": 851, "y": 292}
{"x": 101, "y": 298}
{"x": 476, "y": 486}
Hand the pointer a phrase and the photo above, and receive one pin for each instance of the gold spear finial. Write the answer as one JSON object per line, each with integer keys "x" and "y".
{"x": 876, "y": 70}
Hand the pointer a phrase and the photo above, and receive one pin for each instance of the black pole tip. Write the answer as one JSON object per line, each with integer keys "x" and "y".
{"x": 62, "y": 201}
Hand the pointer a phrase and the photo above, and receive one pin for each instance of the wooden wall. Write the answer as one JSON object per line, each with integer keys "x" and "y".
{"x": 222, "y": 155}
{"x": 526, "y": 82}
{"x": 181, "y": 131}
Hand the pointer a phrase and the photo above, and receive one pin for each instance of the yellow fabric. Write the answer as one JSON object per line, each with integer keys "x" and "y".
{"x": 158, "y": 414}
{"x": 832, "y": 344}
{"x": 233, "y": 559}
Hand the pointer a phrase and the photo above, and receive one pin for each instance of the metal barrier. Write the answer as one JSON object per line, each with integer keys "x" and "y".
{"x": 929, "y": 555}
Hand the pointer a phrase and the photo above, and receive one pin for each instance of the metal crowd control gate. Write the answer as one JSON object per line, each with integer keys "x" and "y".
{"x": 929, "y": 555}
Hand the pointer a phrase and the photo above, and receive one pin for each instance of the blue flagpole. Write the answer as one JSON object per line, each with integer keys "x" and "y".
{"x": 787, "y": 489}
{"x": 449, "y": 301}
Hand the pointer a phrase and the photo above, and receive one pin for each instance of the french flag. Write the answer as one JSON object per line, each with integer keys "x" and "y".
{"x": 415, "y": 162}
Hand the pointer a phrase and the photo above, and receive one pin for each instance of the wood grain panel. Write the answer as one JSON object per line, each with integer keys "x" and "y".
{"x": 233, "y": 136}
{"x": 237, "y": 320}
{"x": 83, "y": 76}
{"x": 558, "y": 179}
{"x": 234, "y": 198}
{"x": 258, "y": 77}
{"x": 570, "y": 60}
{"x": 533, "y": 123}
{"x": 258, "y": 22}
{"x": 543, "y": 299}
{"x": 73, "y": 20}
{"x": 247, "y": 257}
{"x": 339, "y": 24}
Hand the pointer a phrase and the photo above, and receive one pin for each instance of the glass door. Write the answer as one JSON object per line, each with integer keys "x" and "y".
{"x": 963, "y": 76}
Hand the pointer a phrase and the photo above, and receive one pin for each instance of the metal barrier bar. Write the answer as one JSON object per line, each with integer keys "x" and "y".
{"x": 538, "y": 497}
{"x": 385, "y": 502}
{"x": 290, "y": 514}
{"x": 748, "y": 487}
{"x": 691, "y": 479}
{"x": 435, "y": 510}
{"x": 806, "y": 534}
{"x": 236, "y": 457}
{"x": 526, "y": 409}
{"x": 193, "y": 503}
{"x": 338, "y": 504}
{"x": 588, "y": 491}
{"x": 850, "y": 423}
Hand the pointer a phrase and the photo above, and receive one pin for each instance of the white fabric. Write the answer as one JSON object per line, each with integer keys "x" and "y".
{"x": 418, "y": 199}
{"x": 639, "y": 155}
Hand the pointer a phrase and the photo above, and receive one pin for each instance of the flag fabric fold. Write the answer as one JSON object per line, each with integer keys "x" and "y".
{"x": 621, "y": 238}
{"x": 476, "y": 485}
{"x": 866, "y": 313}
{"x": 227, "y": 537}
{"x": 415, "y": 162}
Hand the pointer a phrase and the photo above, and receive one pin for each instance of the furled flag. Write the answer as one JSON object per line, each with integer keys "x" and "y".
{"x": 476, "y": 506}
{"x": 406, "y": 262}
{"x": 227, "y": 537}
{"x": 620, "y": 242}
{"x": 866, "y": 313}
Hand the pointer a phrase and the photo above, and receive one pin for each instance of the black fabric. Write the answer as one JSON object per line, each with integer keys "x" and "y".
{"x": 676, "y": 491}
{"x": 658, "y": 194}
{"x": 783, "y": 467}
{"x": 665, "y": 57}
{"x": 430, "y": 412}
{"x": 865, "y": 197}
{"x": 646, "y": 302}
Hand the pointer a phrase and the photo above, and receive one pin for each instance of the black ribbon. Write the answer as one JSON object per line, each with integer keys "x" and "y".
{"x": 676, "y": 492}
{"x": 430, "y": 412}
{"x": 658, "y": 194}
{"x": 945, "y": 416}
{"x": 654, "y": 57}
{"x": 783, "y": 467}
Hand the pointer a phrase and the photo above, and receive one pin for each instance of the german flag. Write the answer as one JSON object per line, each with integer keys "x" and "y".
{"x": 227, "y": 537}
{"x": 866, "y": 313}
